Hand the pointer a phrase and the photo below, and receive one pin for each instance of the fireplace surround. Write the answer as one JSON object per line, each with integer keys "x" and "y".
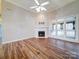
{"x": 41, "y": 32}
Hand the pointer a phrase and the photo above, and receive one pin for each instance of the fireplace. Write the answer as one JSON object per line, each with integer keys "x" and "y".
{"x": 41, "y": 33}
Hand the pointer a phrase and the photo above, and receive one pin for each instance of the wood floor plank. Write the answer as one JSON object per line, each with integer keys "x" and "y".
{"x": 35, "y": 49}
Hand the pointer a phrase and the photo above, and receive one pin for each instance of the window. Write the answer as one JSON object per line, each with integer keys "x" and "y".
{"x": 60, "y": 31}
{"x": 70, "y": 29}
{"x": 65, "y": 28}
{"x": 53, "y": 29}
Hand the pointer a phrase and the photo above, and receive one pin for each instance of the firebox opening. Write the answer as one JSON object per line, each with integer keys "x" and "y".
{"x": 41, "y": 34}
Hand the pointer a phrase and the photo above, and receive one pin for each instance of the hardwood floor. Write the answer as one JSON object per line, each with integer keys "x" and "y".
{"x": 1, "y": 52}
{"x": 36, "y": 49}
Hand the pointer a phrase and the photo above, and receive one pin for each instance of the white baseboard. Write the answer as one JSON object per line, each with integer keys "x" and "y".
{"x": 66, "y": 39}
{"x": 15, "y": 40}
{"x": 11, "y": 41}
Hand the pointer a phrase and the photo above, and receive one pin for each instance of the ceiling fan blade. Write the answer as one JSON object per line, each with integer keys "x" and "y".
{"x": 36, "y": 1}
{"x": 45, "y": 3}
{"x": 33, "y": 7}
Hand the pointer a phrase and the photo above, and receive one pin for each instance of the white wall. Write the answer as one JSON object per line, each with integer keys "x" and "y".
{"x": 17, "y": 23}
{"x": 0, "y": 6}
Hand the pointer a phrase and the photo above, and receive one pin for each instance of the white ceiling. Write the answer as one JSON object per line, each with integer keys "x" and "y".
{"x": 53, "y": 5}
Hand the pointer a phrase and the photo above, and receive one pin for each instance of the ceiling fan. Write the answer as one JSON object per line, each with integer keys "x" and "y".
{"x": 40, "y": 7}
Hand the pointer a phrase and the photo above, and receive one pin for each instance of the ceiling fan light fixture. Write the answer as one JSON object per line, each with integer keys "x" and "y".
{"x": 43, "y": 9}
{"x": 38, "y": 9}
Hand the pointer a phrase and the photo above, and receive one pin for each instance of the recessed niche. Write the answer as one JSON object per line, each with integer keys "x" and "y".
{"x": 42, "y": 23}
